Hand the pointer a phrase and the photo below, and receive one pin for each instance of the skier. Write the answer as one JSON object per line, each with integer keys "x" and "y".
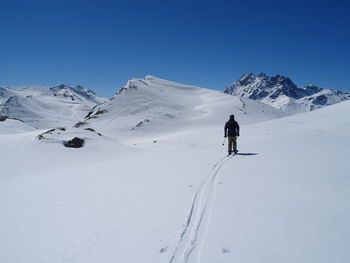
{"x": 232, "y": 130}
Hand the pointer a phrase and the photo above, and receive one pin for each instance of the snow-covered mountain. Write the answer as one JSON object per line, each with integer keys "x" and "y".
{"x": 155, "y": 106}
{"x": 6, "y": 93}
{"x": 284, "y": 198}
{"x": 42, "y": 107}
{"x": 281, "y": 93}
{"x": 153, "y": 177}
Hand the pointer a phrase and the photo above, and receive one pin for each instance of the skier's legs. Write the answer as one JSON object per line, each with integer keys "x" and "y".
{"x": 230, "y": 143}
{"x": 234, "y": 142}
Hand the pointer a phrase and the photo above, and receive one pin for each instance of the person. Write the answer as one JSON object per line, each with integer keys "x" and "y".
{"x": 232, "y": 131}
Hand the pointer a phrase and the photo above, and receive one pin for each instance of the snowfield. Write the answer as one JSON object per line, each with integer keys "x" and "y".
{"x": 43, "y": 107}
{"x": 165, "y": 191}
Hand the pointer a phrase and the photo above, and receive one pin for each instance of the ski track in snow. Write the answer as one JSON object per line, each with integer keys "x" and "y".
{"x": 197, "y": 223}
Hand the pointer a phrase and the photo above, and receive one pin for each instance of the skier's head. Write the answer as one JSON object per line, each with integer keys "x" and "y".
{"x": 232, "y": 117}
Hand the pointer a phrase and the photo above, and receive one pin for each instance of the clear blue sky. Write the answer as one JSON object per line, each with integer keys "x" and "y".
{"x": 101, "y": 44}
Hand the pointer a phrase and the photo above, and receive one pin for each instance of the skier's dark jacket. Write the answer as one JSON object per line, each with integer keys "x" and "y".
{"x": 231, "y": 128}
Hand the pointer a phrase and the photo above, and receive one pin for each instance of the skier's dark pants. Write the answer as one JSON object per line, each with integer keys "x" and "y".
{"x": 232, "y": 142}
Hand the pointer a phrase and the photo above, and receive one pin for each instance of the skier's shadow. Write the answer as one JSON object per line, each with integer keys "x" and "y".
{"x": 247, "y": 154}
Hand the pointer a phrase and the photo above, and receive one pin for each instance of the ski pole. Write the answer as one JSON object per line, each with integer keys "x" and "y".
{"x": 224, "y": 141}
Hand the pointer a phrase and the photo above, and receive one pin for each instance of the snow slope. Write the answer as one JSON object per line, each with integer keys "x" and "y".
{"x": 42, "y": 107}
{"x": 172, "y": 195}
{"x": 289, "y": 203}
{"x": 157, "y": 107}
{"x": 9, "y": 126}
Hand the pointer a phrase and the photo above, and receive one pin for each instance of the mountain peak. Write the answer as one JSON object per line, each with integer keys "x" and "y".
{"x": 246, "y": 79}
{"x": 150, "y": 77}
{"x": 62, "y": 86}
{"x": 262, "y": 75}
{"x": 79, "y": 87}
{"x": 282, "y": 93}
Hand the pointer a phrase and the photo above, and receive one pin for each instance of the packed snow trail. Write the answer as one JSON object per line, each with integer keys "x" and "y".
{"x": 198, "y": 219}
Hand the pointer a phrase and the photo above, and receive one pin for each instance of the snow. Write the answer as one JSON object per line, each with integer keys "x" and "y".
{"x": 10, "y": 126}
{"x": 281, "y": 93}
{"x": 158, "y": 108}
{"x": 165, "y": 192}
{"x": 42, "y": 107}
{"x": 292, "y": 203}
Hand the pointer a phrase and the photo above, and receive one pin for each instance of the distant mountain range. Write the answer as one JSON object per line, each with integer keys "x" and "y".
{"x": 42, "y": 107}
{"x": 153, "y": 102}
{"x": 281, "y": 93}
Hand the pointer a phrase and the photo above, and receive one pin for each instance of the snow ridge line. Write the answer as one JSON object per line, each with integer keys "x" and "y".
{"x": 200, "y": 212}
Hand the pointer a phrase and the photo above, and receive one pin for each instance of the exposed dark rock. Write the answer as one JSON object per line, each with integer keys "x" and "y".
{"x": 3, "y": 118}
{"x": 100, "y": 112}
{"x": 140, "y": 124}
{"x": 41, "y": 136}
{"x": 144, "y": 82}
{"x": 76, "y": 142}
{"x": 79, "y": 124}
{"x": 258, "y": 94}
{"x": 129, "y": 86}
{"x": 88, "y": 115}
{"x": 246, "y": 79}
{"x": 93, "y": 130}
{"x": 321, "y": 100}
{"x": 92, "y": 114}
